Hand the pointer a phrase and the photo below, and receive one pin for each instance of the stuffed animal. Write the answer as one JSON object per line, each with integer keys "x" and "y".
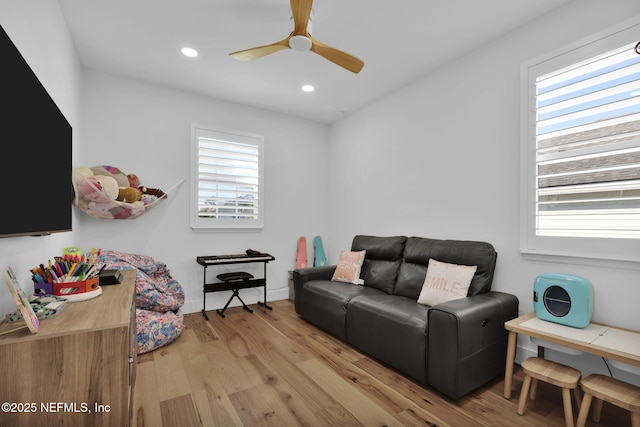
{"x": 148, "y": 199}
{"x": 83, "y": 170}
{"x": 128, "y": 210}
{"x": 113, "y": 172}
{"x": 129, "y": 194}
{"x": 98, "y": 210}
{"x": 98, "y": 188}
{"x": 134, "y": 182}
{"x": 152, "y": 191}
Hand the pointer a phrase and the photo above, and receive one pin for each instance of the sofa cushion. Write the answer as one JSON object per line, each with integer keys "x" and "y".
{"x": 392, "y": 329}
{"x": 386, "y": 248}
{"x": 382, "y": 260}
{"x": 445, "y": 282}
{"x": 324, "y": 303}
{"x": 481, "y": 254}
{"x": 418, "y": 251}
{"x": 380, "y": 274}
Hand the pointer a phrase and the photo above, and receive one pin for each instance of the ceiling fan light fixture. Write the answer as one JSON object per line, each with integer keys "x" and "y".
{"x": 300, "y": 43}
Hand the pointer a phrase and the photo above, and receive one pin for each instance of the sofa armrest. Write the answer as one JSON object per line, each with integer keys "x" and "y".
{"x": 467, "y": 341}
{"x": 304, "y": 275}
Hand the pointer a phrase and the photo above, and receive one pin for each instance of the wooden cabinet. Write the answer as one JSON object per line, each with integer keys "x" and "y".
{"x": 79, "y": 369}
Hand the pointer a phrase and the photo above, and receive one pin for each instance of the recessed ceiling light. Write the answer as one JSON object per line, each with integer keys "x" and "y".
{"x": 189, "y": 51}
{"x": 308, "y": 88}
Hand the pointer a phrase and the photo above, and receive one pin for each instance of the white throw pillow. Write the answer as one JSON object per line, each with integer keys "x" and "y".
{"x": 445, "y": 282}
{"x": 349, "y": 266}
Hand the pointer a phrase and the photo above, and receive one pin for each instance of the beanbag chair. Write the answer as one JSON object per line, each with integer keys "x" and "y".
{"x": 158, "y": 298}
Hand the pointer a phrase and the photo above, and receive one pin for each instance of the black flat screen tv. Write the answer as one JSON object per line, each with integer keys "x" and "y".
{"x": 36, "y": 152}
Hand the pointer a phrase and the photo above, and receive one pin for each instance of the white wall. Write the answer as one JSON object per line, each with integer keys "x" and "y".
{"x": 145, "y": 129}
{"x": 440, "y": 159}
{"x": 38, "y": 30}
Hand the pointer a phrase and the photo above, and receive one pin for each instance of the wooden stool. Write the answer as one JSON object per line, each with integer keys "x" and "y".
{"x": 565, "y": 377}
{"x": 616, "y": 392}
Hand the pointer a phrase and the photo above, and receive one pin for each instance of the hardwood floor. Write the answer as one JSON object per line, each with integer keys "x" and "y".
{"x": 273, "y": 368}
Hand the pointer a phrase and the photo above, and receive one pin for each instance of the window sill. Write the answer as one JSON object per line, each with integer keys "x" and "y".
{"x": 234, "y": 228}
{"x": 594, "y": 260}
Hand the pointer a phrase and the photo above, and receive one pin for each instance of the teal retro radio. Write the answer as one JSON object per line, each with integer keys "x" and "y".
{"x": 564, "y": 299}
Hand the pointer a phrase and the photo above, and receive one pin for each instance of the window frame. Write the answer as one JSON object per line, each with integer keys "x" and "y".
{"x": 198, "y": 223}
{"x": 564, "y": 249}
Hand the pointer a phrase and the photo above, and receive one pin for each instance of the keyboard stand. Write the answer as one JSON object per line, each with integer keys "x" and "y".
{"x": 233, "y": 281}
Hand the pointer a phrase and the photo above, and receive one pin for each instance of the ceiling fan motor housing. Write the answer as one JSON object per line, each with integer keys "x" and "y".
{"x": 300, "y": 43}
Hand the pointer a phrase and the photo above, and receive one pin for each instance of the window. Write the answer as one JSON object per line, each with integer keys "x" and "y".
{"x": 581, "y": 149}
{"x": 227, "y": 179}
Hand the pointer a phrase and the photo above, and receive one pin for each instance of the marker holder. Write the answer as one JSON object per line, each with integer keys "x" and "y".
{"x": 66, "y": 288}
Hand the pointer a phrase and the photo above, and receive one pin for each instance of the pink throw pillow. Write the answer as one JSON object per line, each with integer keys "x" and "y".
{"x": 349, "y": 266}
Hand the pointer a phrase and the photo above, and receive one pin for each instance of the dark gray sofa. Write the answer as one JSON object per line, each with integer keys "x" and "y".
{"x": 454, "y": 347}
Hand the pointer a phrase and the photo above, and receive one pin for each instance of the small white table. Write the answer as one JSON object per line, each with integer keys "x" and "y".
{"x": 602, "y": 340}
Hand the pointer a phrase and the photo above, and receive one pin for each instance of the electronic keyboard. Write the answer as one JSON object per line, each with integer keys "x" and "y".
{"x": 233, "y": 259}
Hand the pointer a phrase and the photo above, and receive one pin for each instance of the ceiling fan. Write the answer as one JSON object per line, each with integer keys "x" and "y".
{"x": 300, "y": 39}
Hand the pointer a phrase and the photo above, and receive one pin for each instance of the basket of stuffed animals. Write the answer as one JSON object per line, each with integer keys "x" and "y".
{"x": 108, "y": 193}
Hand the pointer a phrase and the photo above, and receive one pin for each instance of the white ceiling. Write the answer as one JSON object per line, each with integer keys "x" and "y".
{"x": 399, "y": 41}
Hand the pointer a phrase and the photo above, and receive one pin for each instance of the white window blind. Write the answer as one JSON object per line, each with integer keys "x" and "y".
{"x": 580, "y": 149}
{"x": 588, "y": 148}
{"x": 228, "y": 179}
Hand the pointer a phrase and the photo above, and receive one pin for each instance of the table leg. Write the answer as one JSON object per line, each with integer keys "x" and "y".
{"x": 508, "y": 369}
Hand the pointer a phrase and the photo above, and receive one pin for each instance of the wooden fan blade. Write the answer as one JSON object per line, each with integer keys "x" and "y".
{"x": 336, "y": 56}
{"x": 301, "y": 10}
{"x": 260, "y": 51}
